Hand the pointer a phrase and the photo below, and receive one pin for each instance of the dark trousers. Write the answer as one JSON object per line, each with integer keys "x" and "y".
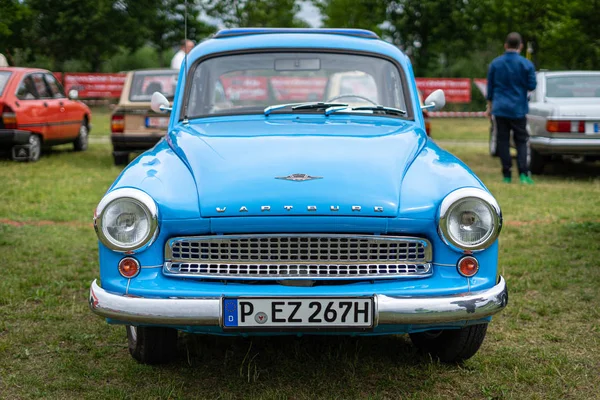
{"x": 520, "y": 136}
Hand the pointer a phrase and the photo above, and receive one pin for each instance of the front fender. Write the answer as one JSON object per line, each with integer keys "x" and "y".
{"x": 432, "y": 175}
{"x": 161, "y": 173}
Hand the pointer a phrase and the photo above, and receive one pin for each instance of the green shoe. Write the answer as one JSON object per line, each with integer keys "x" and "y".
{"x": 526, "y": 179}
{"x": 507, "y": 179}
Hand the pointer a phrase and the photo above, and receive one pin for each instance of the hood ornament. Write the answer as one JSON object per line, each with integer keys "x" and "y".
{"x": 298, "y": 177}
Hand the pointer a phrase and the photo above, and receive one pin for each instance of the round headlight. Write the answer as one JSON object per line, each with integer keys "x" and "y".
{"x": 470, "y": 219}
{"x": 126, "y": 220}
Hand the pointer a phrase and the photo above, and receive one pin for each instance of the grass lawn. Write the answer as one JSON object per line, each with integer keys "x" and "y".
{"x": 545, "y": 345}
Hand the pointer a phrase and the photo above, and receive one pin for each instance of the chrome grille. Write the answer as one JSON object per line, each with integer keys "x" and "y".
{"x": 302, "y": 256}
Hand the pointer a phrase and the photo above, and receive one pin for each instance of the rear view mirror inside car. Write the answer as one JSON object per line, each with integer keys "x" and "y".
{"x": 295, "y": 64}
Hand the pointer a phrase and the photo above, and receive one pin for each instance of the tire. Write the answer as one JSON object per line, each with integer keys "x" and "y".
{"x": 152, "y": 345}
{"x": 451, "y": 345}
{"x": 536, "y": 162}
{"x": 81, "y": 143}
{"x": 121, "y": 158}
{"x": 35, "y": 148}
{"x": 493, "y": 141}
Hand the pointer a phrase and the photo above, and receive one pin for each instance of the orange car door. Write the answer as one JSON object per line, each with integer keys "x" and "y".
{"x": 70, "y": 118}
{"x": 53, "y": 115}
{"x": 31, "y": 113}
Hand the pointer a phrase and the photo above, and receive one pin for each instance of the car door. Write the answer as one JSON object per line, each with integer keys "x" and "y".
{"x": 70, "y": 114}
{"x": 31, "y": 113}
{"x": 53, "y": 113}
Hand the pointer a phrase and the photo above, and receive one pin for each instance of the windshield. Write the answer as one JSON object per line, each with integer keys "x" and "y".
{"x": 4, "y": 75}
{"x": 248, "y": 83}
{"x": 573, "y": 86}
{"x": 145, "y": 83}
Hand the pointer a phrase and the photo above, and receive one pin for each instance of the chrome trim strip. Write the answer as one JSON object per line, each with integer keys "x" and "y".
{"x": 425, "y": 272}
{"x": 389, "y": 309}
{"x": 574, "y": 118}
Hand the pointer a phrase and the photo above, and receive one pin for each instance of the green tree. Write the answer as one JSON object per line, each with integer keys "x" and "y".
{"x": 364, "y": 14}
{"x": 89, "y": 30}
{"x": 166, "y": 24}
{"x": 256, "y": 13}
{"x": 14, "y": 20}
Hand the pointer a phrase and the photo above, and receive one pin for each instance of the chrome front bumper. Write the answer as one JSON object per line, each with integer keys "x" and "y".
{"x": 546, "y": 145}
{"x": 389, "y": 310}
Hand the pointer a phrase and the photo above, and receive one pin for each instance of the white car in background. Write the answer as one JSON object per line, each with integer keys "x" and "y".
{"x": 564, "y": 117}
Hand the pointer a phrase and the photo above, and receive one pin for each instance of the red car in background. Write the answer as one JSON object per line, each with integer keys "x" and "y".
{"x": 36, "y": 113}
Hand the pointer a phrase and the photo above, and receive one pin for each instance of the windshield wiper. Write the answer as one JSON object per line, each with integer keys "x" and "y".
{"x": 378, "y": 108}
{"x": 303, "y": 106}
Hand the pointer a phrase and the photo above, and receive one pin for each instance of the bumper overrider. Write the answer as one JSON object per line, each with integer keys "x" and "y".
{"x": 207, "y": 311}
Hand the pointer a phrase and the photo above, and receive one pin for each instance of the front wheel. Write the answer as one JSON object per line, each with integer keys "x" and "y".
{"x": 451, "y": 345}
{"x": 152, "y": 345}
{"x": 81, "y": 143}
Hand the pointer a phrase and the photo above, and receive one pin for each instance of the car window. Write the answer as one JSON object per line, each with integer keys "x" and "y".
{"x": 247, "y": 83}
{"x": 144, "y": 83}
{"x": 573, "y": 86}
{"x": 26, "y": 90}
{"x": 55, "y": 87}
{"x": 4, "y": 77}
{"x": 41, "y": 87}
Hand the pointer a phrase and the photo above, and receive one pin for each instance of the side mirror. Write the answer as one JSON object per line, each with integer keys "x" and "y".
{"x": 435, "y": 101}
{"x": 159, "y": 103}
{"x": 73, "y": 94}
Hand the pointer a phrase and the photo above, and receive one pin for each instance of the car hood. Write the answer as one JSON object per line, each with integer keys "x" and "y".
{"x": 247, "y": 167}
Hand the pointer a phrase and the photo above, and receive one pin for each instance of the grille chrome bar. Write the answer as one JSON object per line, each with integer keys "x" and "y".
{"x": 298, "y": 256}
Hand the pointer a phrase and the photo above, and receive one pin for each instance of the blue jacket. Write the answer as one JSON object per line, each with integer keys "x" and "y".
{"x": 509, "y": 79}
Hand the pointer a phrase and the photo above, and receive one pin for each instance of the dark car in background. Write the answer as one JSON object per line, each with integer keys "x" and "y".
{"x": 134, "y": 126}
{"x": 36, "y": 113}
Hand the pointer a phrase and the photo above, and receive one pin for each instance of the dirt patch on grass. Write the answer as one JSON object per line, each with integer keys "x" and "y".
{"x": 75, "y": 224}
{"x": 549, "y": 221}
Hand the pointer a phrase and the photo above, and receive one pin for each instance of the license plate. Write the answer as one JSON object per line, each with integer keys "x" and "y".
{"x": 311, "y": 312}
{"x": 157, "y": 122}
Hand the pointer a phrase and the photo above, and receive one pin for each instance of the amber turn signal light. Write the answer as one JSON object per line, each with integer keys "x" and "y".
{"x": 468, "y": 266}
{"x": 129, "y": 267}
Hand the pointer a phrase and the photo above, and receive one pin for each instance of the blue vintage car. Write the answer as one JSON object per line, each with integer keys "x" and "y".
{"x": 296, "y": 192}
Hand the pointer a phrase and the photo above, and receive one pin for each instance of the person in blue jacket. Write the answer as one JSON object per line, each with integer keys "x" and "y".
{"x": 510, "y": 77}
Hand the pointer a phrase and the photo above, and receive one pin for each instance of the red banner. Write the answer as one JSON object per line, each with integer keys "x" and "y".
{"x": 245, "y": 87}
{"x": 457, "y": 90}
{"x": 94, "y": 85}
{"x": 298, "y": 89}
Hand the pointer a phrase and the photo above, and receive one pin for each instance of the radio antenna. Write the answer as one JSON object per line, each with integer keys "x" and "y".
{"x": 185, "y": 41}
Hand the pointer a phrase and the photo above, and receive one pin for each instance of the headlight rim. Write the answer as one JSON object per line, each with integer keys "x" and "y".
{"x": 142, "y": 199}
{"x": 448, "y": 204}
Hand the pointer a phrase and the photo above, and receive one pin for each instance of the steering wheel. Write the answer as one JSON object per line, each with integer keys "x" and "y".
{"x": 341, "y": 96}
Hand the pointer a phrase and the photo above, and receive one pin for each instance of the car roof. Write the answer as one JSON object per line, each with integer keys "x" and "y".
{"x": 22, "y": 69}
{"x": 265, "y": 31}
{"x": 157, "y": 70}
{"x": 291, "y": 39}
{"x": 569, "y": 73}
